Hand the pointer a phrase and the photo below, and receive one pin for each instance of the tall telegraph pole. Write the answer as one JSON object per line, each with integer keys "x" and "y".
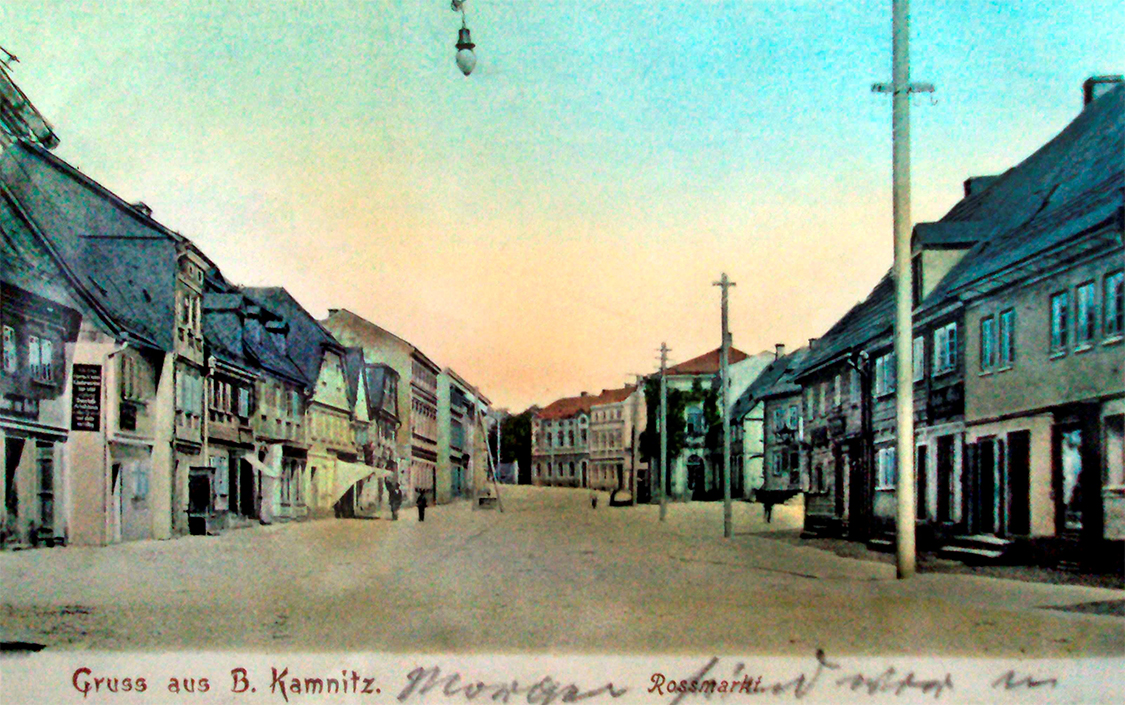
{"x": 900, "y": 89}
{"x": 724, "y": 377}
{"x": 664, "y": 349}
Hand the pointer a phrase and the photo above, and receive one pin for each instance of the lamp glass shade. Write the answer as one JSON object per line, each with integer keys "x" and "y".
{"x": 466, "y": 60}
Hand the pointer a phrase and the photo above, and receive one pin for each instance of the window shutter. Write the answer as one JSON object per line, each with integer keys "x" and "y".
{"x": 10, "y": 359}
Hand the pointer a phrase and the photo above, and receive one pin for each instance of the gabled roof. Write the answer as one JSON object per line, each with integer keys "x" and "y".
{"x": 614, "y": 396}
{"x": 28, "y": 264}
{"x": 1071, "y": 184}
{"x": 706, "y": 364}
{"x": 566, "y": 407}
{"x": 122, "y": 260}
{"x": 865, "y": 321}
{"x": 775, "y": 380}
{"x": 228, "y": 318}
{"x": 307, "y": 339}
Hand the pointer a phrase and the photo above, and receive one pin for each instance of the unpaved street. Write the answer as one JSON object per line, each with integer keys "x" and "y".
{"x": 549, "y": 574}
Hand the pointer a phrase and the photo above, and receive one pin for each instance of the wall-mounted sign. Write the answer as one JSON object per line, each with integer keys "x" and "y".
{"x": 86, "y": 398}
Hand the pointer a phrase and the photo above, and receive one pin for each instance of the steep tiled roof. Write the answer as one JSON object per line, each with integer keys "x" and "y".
{"x": 307, "y": 339}
{"x": 705, "y": 364}
{"x": 227, "y": 317}
{"x": 867, "y": 320}
{"x": 1072, "y": 183}
{"x": 567, "y": 407}
{"x": 613, "y": 396}
{"x": 122, "y": 259}
{"x": 776, "y": 379}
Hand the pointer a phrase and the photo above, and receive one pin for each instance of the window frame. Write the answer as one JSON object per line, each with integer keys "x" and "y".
{"x": 988, "y": 343}
{"x": 1006, "y": 338}
{"x": 1085, "y": 314}
{"x": 1113, "y": 305}
{"x": 1059, "y": 325}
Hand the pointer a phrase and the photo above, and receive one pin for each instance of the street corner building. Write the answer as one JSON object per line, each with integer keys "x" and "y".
{"x": 1017, "y": 368}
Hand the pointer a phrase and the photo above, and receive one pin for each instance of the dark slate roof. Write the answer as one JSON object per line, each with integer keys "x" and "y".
{"x": 123, "y": 260}
{"x": 27, "y": 263}
{"x": 376, "y": 374}
{"x": 1071, "y": 184}
{"x": 227, "y": 317}
{"x": 868, "y": 319}
{"x": 307, "y": 339}
{"x": 776, "y": 379}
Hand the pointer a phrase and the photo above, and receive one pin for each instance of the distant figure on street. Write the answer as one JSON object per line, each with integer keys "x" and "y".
{"x": 593, "y": 500}
{"x": 422, "y": 505}
{"x": 394, "y": 498}
{"x": 768, "y": 501}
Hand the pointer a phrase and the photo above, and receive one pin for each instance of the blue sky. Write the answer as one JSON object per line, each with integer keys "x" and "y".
{"x": 542, "y": 225}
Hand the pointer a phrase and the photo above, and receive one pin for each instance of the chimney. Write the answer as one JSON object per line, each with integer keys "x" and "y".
{"x": 142, "y": 208}
{"x": 811, "y": 341}
{"x": 779, "y": 351}
{"x": 584, "y": 394}
{"x": 1095, "y": 87}
{"x": 976, "y": 184}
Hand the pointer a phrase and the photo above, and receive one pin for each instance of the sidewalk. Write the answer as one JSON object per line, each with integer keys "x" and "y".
{"x": 930, "y": 563}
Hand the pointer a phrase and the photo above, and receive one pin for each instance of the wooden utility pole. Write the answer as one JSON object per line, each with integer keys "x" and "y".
{"x": 635, "y": 436}
{"x": 900, "y": 89}
{"x": 724, "y": 378}
{"x": 664, "y": 350}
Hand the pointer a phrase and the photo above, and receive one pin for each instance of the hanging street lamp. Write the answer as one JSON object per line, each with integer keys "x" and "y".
{"x": 466, "y": 59}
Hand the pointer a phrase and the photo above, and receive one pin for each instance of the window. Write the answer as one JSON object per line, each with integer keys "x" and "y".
{"x": 919, "y": 358}
{"x": 140, "y": 480}
{"x": 778, "y": 419}
{"x": 945, "y": 348}
{"x": 987, "y": 343}
{"x": 886, "y": 468}
{"x": 11, "y": 361}
{"x": 1007, "y": 333}
{"x": 243, "y": 402}
{"x": 793, "y": 411}
{"x": 885, "y": 382}
{"x": 836, "y": 392}
{"x": 1060, "y": 304}
{"x": 1114, "y": 304}
{"x": 854, "y": 387}
{"x": 1114, "y": 451}
{"x": 39, "y": 358}
{"x": 1086, "y": 322}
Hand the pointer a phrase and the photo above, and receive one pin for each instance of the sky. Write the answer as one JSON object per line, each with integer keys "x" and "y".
{"x": 543, "y": 225}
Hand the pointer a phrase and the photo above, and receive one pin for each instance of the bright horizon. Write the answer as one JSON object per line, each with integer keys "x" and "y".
{"x": 544, "y": 224}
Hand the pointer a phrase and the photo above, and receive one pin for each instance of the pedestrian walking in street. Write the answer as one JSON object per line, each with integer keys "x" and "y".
{"x": 422, "y": 505}
{"x": 394, "y": 498}
{"x": 768, "y": 501}
{"x": 593, "y": 500}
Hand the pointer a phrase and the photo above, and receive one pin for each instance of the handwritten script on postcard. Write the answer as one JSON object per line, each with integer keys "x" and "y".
{"x": 544, "y": 680}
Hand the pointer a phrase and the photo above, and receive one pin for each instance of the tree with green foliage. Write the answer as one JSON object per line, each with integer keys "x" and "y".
{"x": 678, "y": 402}
{"x": 516, "y": 440}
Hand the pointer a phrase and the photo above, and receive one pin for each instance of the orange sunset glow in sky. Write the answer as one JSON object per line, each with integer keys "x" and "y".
{"x": 542, "y": 225}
